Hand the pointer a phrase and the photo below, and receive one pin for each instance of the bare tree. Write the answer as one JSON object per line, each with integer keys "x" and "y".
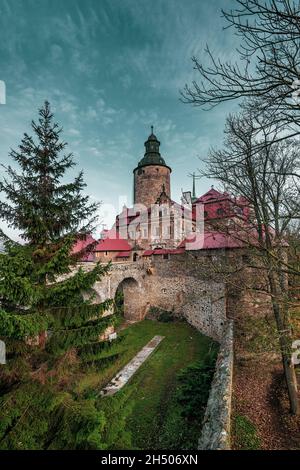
{"x": 269, "y": 66}
{"x": 265, "y": 172}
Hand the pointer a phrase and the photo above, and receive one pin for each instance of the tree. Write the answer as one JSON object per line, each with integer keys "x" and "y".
{"x": 269, "y": 67}
{"x": 43, "y": 289}
{"x": 268, "y": 180}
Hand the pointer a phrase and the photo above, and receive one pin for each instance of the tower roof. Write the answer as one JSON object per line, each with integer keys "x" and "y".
{"x": 152, "y": 136}
{"x": 152, "y": 155}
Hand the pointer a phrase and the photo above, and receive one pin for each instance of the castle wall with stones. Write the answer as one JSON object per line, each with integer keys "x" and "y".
{"x": 178, "y": 284}
{"x": 217, "y": 418}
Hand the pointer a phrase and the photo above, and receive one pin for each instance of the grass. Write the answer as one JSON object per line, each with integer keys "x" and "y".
{"x": 245, "y": 434}
{"x": 155, "y": 421}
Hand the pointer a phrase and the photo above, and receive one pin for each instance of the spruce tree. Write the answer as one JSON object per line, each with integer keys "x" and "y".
{"x": 44, "y": 290}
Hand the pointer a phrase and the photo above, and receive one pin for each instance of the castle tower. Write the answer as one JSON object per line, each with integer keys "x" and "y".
{"x": 152, "y": 175}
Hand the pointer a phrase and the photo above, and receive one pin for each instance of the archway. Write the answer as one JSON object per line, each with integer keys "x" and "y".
{"x": 129, "y": 299}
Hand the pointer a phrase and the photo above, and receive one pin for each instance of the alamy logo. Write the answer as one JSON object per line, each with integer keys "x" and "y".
{"x": 2, "y": 92}
{"x": 2, "y": 353}
{"x": 296, "y": 354}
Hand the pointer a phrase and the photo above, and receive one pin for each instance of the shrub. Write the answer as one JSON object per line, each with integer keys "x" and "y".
{"x": 194, "y": 386}
{"x": 164, "y": 316}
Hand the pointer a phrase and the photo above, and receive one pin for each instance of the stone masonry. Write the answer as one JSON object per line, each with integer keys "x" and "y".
{"x": 130, "y": 369}
{"x": 216, "y": 423}
{"x": 176, "y": 284}
{"x": 149, "y": 182}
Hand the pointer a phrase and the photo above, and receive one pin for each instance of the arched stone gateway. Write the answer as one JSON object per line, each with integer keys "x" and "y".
{"x": 134, "y": 303}
{"x": 178, "y": 285}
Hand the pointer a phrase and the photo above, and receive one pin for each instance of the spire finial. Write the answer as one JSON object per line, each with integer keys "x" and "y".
{"x": 151, "y": 129}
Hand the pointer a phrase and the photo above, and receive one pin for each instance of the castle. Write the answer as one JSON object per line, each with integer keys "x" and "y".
{"x": 158, "y": 226}
{"x": 158, "y": 265}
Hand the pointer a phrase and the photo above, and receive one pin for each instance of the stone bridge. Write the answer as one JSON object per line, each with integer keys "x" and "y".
{"x": 177, "y": 285}
{"x": 131, "y": 279}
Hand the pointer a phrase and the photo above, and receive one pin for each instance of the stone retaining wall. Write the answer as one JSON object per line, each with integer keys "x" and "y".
{"x": 216, "y": 423}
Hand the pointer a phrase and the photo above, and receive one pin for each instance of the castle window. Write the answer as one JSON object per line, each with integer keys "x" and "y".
{"x": 220, "y": 211}
{"x": 166, "y": 256}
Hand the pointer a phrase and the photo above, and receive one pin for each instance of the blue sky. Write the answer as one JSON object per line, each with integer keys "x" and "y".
{"x": 110, "y": 69}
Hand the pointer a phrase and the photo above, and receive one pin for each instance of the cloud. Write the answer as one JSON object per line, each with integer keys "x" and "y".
{"x": 110, "y": 70}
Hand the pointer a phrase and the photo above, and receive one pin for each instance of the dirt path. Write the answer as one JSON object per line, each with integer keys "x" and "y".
{"x": 260, "y": 395}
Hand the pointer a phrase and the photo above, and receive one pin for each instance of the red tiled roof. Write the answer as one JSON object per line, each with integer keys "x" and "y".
{"x": 211, "y": 241}
{"x": 148, "y": 253}
{"x": 124, "y": 254}
{"x": 212, "y": 194}
{"x": 161, "y": 251}
{"x": 222, "y": 205}
{"x": 112, "y": 244}
{"x": 81, "y": 245}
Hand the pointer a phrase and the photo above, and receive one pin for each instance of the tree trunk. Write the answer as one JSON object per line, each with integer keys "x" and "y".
{"x": 290, "y": 377}
{"x": 284, "y": 331}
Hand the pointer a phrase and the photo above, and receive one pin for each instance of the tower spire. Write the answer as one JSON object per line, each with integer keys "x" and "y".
{"x": 194, "y": 187}
{"x": 151, "y": 129}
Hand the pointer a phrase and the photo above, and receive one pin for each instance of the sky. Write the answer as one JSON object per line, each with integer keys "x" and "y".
{"x": 111, "y": 69}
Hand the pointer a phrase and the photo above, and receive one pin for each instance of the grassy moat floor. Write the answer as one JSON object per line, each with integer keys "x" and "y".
{"x": 155, "y": 420}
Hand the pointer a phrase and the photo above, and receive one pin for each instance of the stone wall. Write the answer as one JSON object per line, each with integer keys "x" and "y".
{"x": 216, "y": 424}
{"x": 177, "y": 284}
